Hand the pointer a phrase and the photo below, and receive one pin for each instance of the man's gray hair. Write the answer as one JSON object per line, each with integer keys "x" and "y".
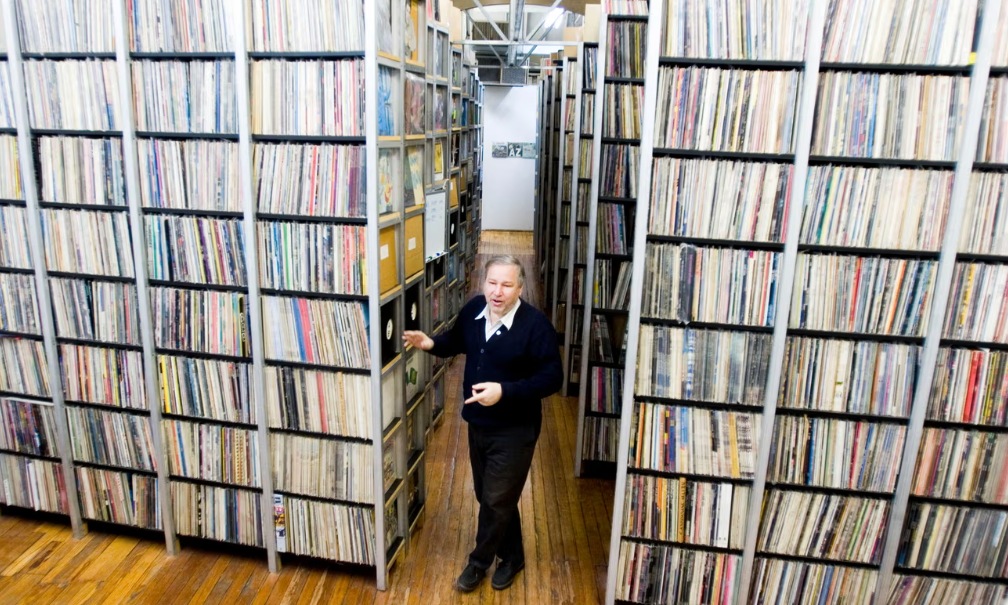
{"x": 506, "y": 259}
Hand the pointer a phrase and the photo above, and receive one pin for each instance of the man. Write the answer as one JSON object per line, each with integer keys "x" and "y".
{"x": 512, "y": 363}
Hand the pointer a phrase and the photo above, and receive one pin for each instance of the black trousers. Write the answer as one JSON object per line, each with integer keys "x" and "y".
{"x": 500, "y": 458}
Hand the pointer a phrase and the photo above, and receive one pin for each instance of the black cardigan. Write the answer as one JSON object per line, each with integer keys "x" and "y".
{"x": 525, "y": 360}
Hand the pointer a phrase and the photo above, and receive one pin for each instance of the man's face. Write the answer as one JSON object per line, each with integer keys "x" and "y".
{"x": 501, "y": 288}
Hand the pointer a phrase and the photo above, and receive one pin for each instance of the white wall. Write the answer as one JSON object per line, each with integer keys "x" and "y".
{"x": 509, "y": 116}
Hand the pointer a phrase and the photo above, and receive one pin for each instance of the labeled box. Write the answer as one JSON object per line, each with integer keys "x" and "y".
{"x": 388, "y": 267}
{"x": 413, "y": 257}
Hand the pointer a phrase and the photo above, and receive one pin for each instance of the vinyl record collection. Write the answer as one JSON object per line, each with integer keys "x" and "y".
{"x": 327, "y": 102}
{"x": 205, "y": 388}
{"x": 118, "y": 497}
{"x": 185, "y": 96}
{"x": 195, "y": 250}
{"x": 111, "y": 439}
{"x": 882, "y": 208}
{"x": 715, "y": 117}
{"x": 112, "y": 377}
{"x": 185, "y": 26}
{"x": 210, "y": 452}
{"x": 322, "y": 468}
{"x": 18, "y": 304}
{"x": 653, "y": 573}
{"x": 14, "y": 253}
{"x": 309, "y": 180}
{"x": 726, "y": 200}
{"x": 43, "y": 28}
{"x": 75, "y": 170}
{"x": 710, "y": 285}
{"x": 32, "y": 483}
{"x": 27, "y": 427}
{"x": 173, "y": 278}
{"x": 25, "y": 368}
{"x": 679, "y": 510}
{"x": 217, "y": 513}
{"x": 56, "y": 99}
{"x": 892, "y": 127}
{"x": 986, "y": 216}
{"x": 189, "y": 175}
{"x": 821, "y": 526}
{"x": 314, "y": 401}
{"x": 969, "y": 387}
{"x": 82, "y": 241}
{"x": 887, "y": 123}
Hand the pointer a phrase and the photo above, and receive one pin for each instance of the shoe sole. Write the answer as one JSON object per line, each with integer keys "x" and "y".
{"x": 509, "y": 582}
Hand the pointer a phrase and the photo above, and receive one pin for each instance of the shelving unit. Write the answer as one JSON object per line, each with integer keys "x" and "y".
{"x": 873, "y": 371}
{"x": 959, "y": 344}
{"x": 547, "y": 191}
{"x": 569, "y": 161}
{"x": 554, "y": 185}
{"x": 448, "y": 276}
{"x": 237, "y": 381}
{"x": 93, "y": 306}
{"x": 31, "y": 403}
{"x": 584, "y": 141}
{"x": 615, "y": 150}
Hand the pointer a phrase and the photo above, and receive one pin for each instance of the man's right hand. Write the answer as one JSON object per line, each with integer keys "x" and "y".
{"x": 418, "y": 339}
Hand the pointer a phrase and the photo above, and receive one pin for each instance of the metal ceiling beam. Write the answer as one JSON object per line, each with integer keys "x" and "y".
{"x": 533, "y": 39}
{"x": 517, "y": 32}
{"x": 491, "y": 44}
{"x": 492, "y": 22}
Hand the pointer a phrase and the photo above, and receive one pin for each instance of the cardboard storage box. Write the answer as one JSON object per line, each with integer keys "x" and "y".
{"x": 388, "y": 267}
{"x": 413, "y": 255}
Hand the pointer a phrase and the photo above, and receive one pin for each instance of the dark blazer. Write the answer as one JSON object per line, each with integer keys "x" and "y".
{"x": 525, "y": 360}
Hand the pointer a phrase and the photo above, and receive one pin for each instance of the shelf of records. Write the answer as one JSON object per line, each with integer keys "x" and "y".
{"x": 309, "y": 199}
{"x": 877, "y": 194}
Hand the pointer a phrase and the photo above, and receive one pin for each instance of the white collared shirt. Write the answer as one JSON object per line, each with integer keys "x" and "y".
{"x": 505, "y": 321}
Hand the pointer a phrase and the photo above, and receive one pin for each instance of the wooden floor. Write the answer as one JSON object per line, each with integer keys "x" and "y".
{"x": 566, "y": 525}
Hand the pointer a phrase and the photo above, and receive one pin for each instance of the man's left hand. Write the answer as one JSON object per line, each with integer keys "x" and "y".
{"x": 485, "y": 393}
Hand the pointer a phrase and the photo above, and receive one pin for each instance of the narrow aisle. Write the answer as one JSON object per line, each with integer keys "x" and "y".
{"x": 565, "y": 521}
{"x": 566, "y": 527}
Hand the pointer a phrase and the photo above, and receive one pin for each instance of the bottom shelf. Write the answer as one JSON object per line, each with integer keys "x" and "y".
{"x": 395, "y": 552}
{"x": 34, "y": 515}
{"x": 329, "y": 531}
{"x": 148, "y": 533}
{"x": 416, "y": 515}
{"x": 221, "y": 546}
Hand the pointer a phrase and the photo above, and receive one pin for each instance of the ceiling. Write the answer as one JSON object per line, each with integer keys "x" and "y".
{"x": 574, "y": 6}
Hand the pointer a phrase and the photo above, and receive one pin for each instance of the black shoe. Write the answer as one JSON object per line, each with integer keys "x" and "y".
{"x": 505, "y": 574}
{"x": 470, "y": 578}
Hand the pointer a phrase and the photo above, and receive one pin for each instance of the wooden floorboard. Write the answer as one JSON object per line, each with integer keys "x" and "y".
{"x": 565, "y": 525}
